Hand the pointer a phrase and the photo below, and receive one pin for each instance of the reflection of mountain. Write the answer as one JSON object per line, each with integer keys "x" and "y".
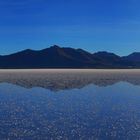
{"x": 57, "y": 57}
{"x": 69, "y": 79}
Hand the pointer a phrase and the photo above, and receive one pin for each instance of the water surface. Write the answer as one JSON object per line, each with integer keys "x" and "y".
{"x": 89, "y": 113}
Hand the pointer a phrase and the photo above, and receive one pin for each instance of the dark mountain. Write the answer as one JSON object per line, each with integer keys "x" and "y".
{"x": 133, "y": 57}
{"x": 107, "y": 58}
{"x": 53, "y": 57}
{"x": 106, "y": 55}
{"x": 57, "y": 57}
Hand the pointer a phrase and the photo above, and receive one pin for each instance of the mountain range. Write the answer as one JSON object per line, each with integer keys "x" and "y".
{"x": 58, "y": 57}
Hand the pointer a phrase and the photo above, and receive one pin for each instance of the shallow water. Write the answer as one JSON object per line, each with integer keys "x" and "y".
{"x": 89, "y": 113}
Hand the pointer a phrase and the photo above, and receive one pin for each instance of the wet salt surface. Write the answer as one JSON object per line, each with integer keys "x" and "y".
{"x": 89, "y": 113}
{"x": 66, "y": 79}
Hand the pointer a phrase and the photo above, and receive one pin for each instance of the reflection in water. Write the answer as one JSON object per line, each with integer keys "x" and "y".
{"x": 89, "y": 113}
{"x": 61, "y": 79}
{"x": 56, "y": 82}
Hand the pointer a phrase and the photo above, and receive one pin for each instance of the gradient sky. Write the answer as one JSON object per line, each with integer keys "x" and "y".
{"x": 94, "y": 25}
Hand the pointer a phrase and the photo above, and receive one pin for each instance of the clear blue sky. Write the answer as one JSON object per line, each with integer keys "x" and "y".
{"x": 94, "y": 25}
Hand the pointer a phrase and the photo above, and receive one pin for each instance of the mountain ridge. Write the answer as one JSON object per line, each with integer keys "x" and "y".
{"x": 61, "y": 57}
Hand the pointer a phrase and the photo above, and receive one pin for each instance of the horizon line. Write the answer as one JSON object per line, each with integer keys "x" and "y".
{"x": 65, "y": 47}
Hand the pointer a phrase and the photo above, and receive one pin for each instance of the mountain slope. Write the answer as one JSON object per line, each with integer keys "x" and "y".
{"x": 53, "y": 57}
{"x": 133, "y": 57}
{"x": 57, "y": 57}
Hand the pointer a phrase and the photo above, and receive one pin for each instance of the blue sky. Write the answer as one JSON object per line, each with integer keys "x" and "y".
{"x": 94, "y": 25}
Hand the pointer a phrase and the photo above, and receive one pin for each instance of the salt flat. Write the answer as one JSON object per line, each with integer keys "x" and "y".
{"x": 57, "y": 79}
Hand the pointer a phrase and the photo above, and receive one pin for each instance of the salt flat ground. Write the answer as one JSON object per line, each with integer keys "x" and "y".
{"x": 68, "y": 78}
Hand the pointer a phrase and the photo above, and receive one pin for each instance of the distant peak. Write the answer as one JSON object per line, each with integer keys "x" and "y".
{"x": 80, "y": 49}
{"x": 55, "y": 46}
{"x": 102, "y": 52}
{"x": 28, "y": 50}
{"x": 135, "y": 53}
